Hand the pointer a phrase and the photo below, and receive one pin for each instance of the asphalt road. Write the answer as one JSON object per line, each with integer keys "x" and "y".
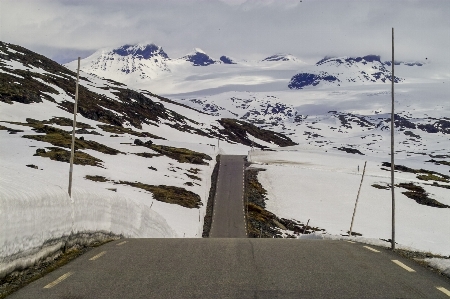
{"x": 236, "y": 268}
{"x": 228, "y": 215}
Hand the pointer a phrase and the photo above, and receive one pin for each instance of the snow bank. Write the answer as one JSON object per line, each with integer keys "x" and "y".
{"x": 441, "y": 264}
{"x": 38, "y": 219}
{"x": 369, "y": 241}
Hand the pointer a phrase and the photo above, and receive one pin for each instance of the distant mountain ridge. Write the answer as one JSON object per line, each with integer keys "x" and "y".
{"x": 141, "y": 64}
{"x": 281, "y": 57}
{"x": 336, "y": 71}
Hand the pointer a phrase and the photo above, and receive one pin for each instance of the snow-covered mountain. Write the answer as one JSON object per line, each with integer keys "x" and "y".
{"x": 142, "y": 61}
{"x": 281, "y": 57}
{"x": 147, "y": 66}
{"x": 344, "y": 71}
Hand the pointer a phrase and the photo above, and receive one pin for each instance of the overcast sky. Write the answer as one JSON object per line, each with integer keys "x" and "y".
{"x": 244, "y": 29}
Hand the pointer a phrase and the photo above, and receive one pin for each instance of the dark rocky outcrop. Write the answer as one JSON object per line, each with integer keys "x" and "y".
{"x": 237, "y": 130}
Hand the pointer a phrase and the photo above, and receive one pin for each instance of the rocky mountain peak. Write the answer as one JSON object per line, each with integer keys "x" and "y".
{"x": 226, "y": 60}
{"x": 144, "y": 51}
{"x": 199, "y": 58}
{"x": 281, "y": 57}
{"x": 350, "y": 60}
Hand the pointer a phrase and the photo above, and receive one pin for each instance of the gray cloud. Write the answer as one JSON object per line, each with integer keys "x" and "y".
{"x": 310, "y": 29}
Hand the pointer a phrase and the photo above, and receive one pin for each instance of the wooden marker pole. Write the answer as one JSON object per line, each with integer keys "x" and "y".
{"x": 306, "y": 227}
{"x": 357, "y": 198}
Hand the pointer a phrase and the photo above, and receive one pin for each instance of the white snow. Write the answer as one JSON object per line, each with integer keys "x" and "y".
{"x": 439, "y": 263}
{"x": 322, "y": 186}
{"x": 35, "y": 211}
{"x": 11, "y": 74}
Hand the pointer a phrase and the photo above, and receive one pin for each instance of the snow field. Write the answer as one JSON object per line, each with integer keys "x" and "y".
{"x": 322, "y": 186}
{"x": 18, "y": 152}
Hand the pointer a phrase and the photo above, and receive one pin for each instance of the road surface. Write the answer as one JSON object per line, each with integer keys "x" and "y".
{"x": 228, "y": 215}
{"x": 236, "y": 268}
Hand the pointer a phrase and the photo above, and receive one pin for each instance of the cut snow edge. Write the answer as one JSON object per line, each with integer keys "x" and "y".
{"x": 36, "y": 223}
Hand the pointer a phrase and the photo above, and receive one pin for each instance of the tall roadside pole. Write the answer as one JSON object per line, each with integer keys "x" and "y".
{"x": 392, "y": 148}
{"x": 72, "y": 152}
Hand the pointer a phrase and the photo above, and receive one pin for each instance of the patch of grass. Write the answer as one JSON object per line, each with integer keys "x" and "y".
{"x": 122, "y": 130}
{"x": 62, "y": 155}
{"x": 422, "y": 174}
{"x": 447, "y": 163}
{"x": 66, "y": 122}
{"x": 193, "y": 170}
{"x": 381, "y": 187}
{"x": 432, "y": 177}
{"x": 193, "y": 177}
{"x": 182, "y": 155}
{"x": 84, "y": 131}
{"x": 147, "y": 155}
{"x": 258, "y": 214}
{"x": 65, "y": 140}
{"x": 400, "y": 168}
{"x": 11, "y": 131}
{"x": 61, "y": 138}
{"x": 169, "y": 194}
{"x": 96, "y": 178}
{"x": 419, "y": 194}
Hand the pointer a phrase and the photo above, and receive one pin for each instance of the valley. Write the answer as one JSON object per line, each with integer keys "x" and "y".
{"x": 150, "y": 129}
